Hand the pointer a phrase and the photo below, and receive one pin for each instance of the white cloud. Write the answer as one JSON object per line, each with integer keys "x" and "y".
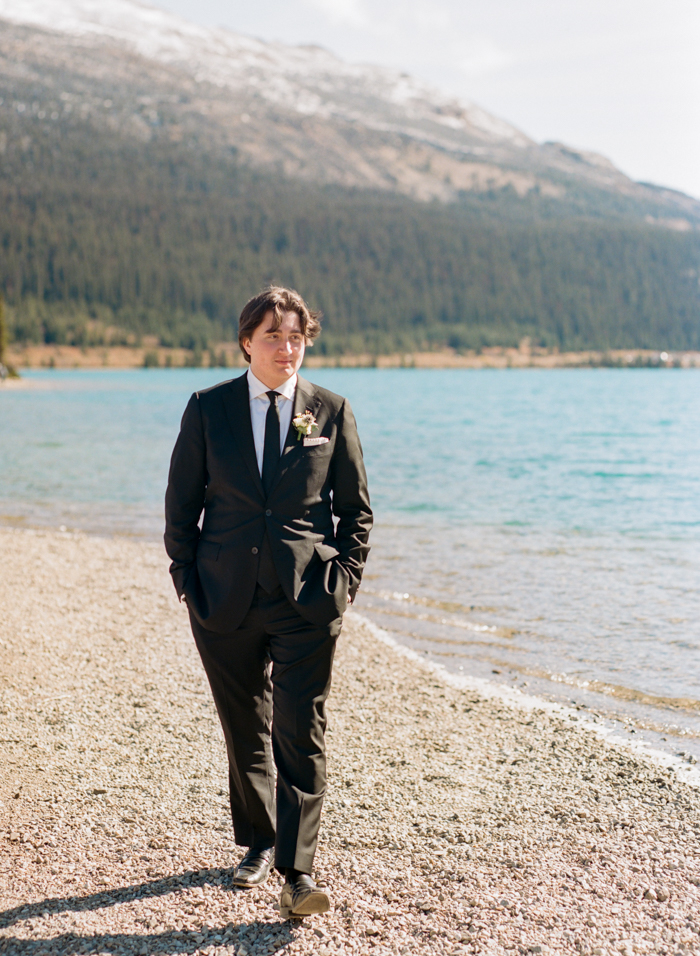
{"x": 481, "y": 55}
{"x": 429, "y": 15}
{"x": 350, "y": 12}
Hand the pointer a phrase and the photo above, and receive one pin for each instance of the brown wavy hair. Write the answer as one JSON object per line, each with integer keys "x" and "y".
{"x": 277, "y": 300}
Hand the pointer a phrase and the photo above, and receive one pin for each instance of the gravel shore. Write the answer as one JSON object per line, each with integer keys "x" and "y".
{"x": 454, "y": 823}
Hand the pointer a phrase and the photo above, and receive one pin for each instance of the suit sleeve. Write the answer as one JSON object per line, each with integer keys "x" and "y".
{"x": 350, "y": 499}
{"x": 184, "y": 497}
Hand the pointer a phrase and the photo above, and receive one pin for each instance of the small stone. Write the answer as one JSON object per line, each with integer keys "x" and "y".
{"x": 409, "y": 905}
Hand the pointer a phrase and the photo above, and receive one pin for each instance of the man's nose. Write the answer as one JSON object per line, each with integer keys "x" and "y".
{"x": 285, "y": 345}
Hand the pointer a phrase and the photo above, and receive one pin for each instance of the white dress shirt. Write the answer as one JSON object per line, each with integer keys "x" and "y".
{"x": 259, "y": 404}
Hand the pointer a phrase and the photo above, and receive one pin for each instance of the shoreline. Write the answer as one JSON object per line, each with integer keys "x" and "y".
{"x": 604, "y": 727}
{"x": 512, "y": 696}
{"x": 671, "y": 745}
{"x": 456, "y": 821}
{"x": 37, "y": 357}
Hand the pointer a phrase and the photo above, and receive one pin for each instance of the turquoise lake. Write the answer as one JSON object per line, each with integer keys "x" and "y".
{"x": 540, "y": 528}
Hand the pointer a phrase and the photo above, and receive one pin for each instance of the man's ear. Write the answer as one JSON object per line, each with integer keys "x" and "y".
{"x": 246, "y": 345}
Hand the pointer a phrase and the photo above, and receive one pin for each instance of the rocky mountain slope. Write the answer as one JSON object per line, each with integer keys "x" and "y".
{"x": 123, "y": 67}
{"x": 155, "y": 174}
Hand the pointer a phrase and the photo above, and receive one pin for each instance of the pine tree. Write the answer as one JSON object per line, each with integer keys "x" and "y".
{"x": 5, "y": 369}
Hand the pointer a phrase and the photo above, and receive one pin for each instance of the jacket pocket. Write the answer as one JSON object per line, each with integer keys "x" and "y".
{"x": 208, "y": 550}
{"x": 319, "y": 451}
{"x": 326, "y": 552}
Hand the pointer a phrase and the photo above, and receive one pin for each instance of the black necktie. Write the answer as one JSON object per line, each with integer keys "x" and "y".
{"x": 271, "y": 448}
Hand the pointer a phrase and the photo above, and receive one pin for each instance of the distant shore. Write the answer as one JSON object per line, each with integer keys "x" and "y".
{"x": 456, "y": 823}
{"x": 227, "y": 355}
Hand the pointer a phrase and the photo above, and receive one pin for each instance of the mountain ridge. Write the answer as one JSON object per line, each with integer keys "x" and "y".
{"x": 352, "y": 125}
{"x": 140, "y": 197}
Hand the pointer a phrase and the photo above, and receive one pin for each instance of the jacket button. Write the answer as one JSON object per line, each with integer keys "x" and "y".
{"x": 254, "y": 550}
{"x": 268, "y": 512}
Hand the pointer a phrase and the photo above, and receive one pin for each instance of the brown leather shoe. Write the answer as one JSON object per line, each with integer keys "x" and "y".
{"x": 254, "y": 868}
{"x": 301, "y": 897}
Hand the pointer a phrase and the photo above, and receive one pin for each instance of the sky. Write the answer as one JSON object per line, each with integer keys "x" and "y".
{"x": 619, "y": 77}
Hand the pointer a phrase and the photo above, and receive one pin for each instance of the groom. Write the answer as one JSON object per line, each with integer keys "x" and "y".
{"x": 270, "y": 468}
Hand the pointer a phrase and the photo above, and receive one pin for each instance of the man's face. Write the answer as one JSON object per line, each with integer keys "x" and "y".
{"x": 276, "y": 354}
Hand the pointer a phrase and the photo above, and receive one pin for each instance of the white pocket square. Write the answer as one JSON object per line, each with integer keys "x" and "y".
{"x": 315, "y": 441}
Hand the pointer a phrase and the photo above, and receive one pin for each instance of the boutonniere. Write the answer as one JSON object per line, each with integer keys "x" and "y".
{"x": 304, "y": 424}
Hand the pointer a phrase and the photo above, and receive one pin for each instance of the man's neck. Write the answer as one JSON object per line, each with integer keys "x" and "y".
{"x": 286, "y": 386}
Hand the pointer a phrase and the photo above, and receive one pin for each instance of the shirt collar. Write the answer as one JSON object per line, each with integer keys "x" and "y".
{"x": 256, "y": 387}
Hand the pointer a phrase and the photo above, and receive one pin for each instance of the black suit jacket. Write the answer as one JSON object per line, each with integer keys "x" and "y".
{"x": 214, "y": 470}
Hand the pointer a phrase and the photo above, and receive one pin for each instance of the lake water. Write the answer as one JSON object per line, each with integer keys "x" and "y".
{"x": 540, "y": 528}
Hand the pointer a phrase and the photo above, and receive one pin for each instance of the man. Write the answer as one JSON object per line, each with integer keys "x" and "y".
{"x": 270, "y": 460}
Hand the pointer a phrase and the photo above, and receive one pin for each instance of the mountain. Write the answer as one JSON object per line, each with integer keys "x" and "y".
{"x": 155, "y": 172}
{"x": 297, "y": 110}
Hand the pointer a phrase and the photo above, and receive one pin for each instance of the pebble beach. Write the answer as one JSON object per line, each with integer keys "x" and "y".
{"x": 456, "y": 822}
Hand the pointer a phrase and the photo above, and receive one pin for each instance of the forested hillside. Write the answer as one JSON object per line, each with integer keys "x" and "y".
{"x": 110, "y": 230}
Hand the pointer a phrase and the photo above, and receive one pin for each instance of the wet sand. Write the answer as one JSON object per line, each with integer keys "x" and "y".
{"x": 455, "y": 822}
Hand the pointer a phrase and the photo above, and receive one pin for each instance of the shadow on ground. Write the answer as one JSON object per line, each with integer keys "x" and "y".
{"x": 171, "y": 941}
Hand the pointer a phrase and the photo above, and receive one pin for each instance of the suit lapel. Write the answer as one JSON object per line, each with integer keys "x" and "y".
{"x": 237, "y": 404}
{"x": 304, "y": 399}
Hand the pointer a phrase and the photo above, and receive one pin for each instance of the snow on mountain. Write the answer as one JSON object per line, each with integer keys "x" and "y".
{"x": 296, "y": 109}
{"x": 307, "y": 79}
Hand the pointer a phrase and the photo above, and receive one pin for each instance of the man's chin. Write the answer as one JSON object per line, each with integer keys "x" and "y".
{"x": 276, "y": 376}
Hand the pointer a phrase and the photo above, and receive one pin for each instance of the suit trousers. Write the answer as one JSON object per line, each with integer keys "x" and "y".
{"x": 270, "y": 679}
